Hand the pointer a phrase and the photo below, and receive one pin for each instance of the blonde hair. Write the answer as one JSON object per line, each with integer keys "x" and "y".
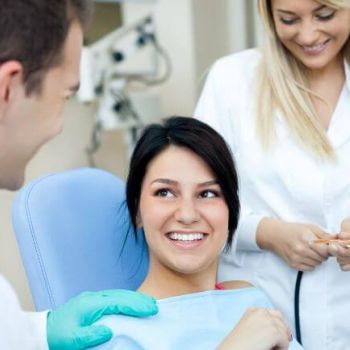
{"x": 283, "y": 87}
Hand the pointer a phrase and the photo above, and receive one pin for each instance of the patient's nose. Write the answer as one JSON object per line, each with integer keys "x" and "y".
{"x": 187, "y": 211}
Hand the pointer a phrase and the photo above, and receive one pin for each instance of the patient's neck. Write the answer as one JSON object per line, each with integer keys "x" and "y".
{"x": 162, "y": 282}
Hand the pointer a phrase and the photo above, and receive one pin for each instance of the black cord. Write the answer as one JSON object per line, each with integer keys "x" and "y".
{"x": 297, "y": 306}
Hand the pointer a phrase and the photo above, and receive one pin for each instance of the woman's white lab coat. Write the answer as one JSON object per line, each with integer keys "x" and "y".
{"x": 19, "y": 330}
{"x": 286, "y": 183}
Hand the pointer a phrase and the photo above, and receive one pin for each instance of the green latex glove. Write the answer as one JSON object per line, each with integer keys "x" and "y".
{"x": 70, "y": 327}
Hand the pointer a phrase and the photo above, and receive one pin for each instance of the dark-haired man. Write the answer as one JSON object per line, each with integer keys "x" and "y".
{"x": 40, "y": 47}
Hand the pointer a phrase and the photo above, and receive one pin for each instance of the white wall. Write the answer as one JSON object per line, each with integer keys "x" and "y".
{"x": 243, "y": 22}
{"x": 196, "y": 33}
{"x": 212, "y": 37}
{"x": 174, "y": 23}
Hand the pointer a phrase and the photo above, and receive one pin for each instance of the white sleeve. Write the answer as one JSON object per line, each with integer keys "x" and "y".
{"x": 245, "y": 235}
{"x": 218, "y": 108}
{"x": 38, "y": 326}
{"x": 213, "y": 107}
{"x": 20, "y": 329}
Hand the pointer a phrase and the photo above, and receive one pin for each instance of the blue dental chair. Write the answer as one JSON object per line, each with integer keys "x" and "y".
{"x": 74, "y": 235}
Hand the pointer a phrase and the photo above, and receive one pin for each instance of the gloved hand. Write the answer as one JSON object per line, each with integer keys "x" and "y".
{"x": 70, "y": 327}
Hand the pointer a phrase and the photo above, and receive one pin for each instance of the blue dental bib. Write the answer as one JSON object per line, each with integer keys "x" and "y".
{"x": 198, "y": 321}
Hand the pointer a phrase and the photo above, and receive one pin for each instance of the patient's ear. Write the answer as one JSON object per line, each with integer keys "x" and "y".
{"x": 138, "y": 220}
{"x": 11, "y": 76}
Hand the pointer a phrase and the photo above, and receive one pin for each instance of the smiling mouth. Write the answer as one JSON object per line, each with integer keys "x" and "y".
{"x": 314, "y": 49}
{"x": 186, "y": 237}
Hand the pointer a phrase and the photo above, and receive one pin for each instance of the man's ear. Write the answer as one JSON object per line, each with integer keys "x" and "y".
{"x": 11, "y": 74}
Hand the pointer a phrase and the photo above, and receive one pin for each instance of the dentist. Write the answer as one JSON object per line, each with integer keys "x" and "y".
{"x": 40, "y": 47}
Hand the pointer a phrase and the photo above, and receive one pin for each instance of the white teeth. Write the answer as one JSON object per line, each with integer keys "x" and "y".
{"x": 314, "y": 48}
{"x": 186, "y": 236}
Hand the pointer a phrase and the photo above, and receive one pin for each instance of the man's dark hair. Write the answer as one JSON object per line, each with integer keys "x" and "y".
{"x": 200, "y": 139}
{"x": 33, "y": 32}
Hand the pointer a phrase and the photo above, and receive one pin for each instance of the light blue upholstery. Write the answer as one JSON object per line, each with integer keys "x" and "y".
{"x": 74, "y": 235}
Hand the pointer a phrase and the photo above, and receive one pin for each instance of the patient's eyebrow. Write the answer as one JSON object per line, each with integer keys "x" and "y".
{"x": 209, "y": 183}
{"x": 174, "y": 182}
{"x": 165, "y": 181}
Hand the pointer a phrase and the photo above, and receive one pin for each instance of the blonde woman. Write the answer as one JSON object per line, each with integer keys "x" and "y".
{"x": 285, "y": 112}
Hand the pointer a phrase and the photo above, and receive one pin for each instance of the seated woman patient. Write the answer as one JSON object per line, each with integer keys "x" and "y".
{"x": 182, "y": 190}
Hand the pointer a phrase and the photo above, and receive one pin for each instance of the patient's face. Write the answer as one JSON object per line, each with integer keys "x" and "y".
{"x": 183, "y": 212}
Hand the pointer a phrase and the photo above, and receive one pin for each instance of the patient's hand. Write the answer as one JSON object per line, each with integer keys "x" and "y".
{"x": 259, "y": 329}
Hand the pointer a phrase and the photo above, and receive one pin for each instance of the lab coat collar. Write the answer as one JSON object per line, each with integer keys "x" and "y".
{"x": 339, "y": 128}
{"x": 347, "y": 72}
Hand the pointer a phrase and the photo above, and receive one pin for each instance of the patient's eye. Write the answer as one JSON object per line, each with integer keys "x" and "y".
{"x": 164, "y": 192}
{"x": 209, "y": 194}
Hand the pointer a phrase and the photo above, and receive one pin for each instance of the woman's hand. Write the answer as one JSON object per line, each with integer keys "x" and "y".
{"x": 342, "y": 253}
{"x": 293, "y": 242}
{"x": 259, "y": 329}
{"x": 345, "y": 225}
